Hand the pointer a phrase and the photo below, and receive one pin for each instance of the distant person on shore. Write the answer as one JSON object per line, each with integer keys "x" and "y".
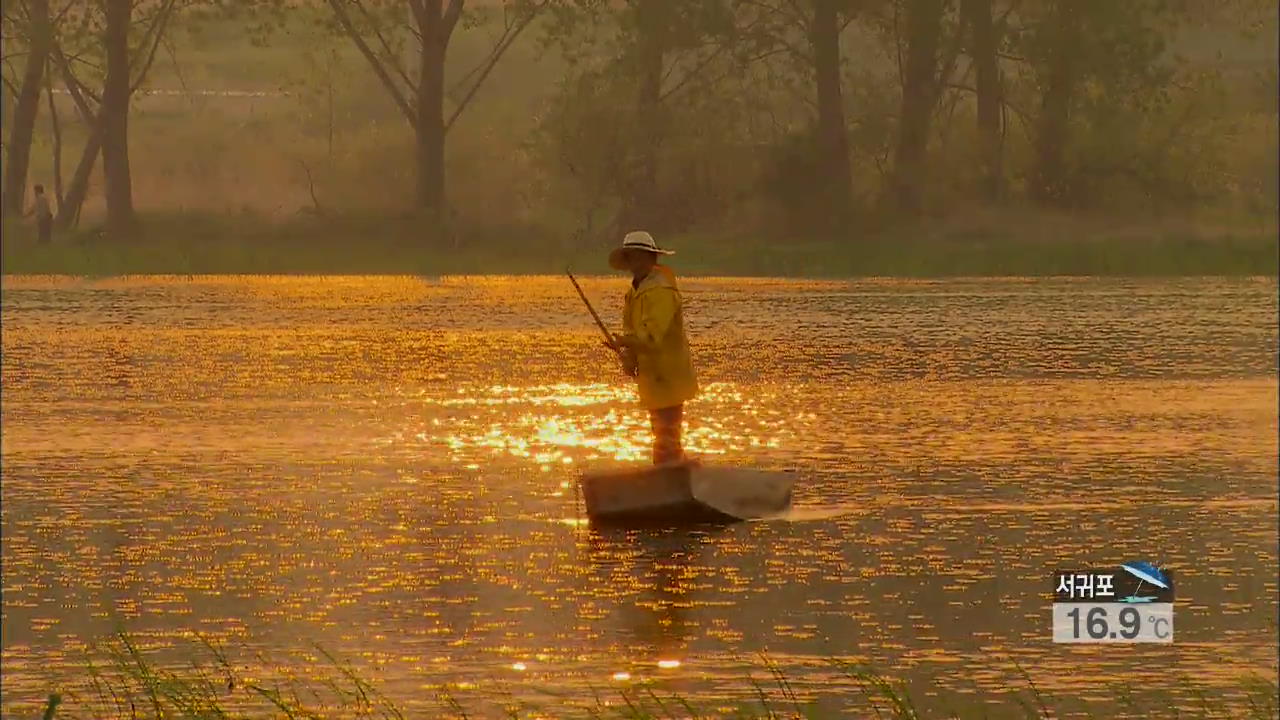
{"x": 653, "y": 342}
{"x": 43, "y": 213}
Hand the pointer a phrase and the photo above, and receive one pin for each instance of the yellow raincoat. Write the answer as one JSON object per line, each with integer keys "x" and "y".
{"x": 653, "y": 318}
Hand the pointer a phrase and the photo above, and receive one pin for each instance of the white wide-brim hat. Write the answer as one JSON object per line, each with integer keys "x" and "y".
{"x": 638, "y": 240}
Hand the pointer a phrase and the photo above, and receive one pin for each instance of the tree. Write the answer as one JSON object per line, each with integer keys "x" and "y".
{"x": 78, "y": 190}
{"x": 644, "y": 62}
{"x": 920, "y": 89}
{"x": 35, "y": 21}
{"x": 379, "y": 29}
{"x": 833, "y": 140}
{"x": 56, "y": 129}
{"x": 652, "y": 27}
{"x": 983, "y": 46}
{"x": 115, "y": 115}
{"x": 1061, "y": 76}
{"x": 807, "y": 35}
{"x": 122, "y": 37}
{"x": 1093, "y": 55}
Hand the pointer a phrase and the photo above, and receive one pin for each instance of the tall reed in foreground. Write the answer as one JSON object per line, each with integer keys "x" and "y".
{"x": 124, "y": 680}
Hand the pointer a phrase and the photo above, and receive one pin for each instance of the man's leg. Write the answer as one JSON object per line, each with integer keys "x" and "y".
{"x": 666, "y": 424}
{"x": 46, "y": 228}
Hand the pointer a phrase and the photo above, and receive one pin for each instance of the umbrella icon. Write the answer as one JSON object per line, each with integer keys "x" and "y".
{"x": 1145, "y": 572}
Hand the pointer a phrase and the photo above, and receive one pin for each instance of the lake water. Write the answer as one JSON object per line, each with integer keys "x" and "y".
{"x": 385, "y": 467}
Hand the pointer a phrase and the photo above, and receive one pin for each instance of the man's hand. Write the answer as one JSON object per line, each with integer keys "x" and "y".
{"x": 629, "y": 362}
{"x": 628, "y": 342}
{"x": 624, "y": 347}
{"x": 623, "y": 343}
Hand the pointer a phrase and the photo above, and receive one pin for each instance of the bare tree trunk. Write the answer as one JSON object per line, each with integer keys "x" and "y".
{"x": 69, "y": 207}
{"x": 924, "y": 23}
{"x": 57, "y": 139}
{"x": 78, "y": 190}
{"x": 421, "y": 99}
{"x": 990, "y": 133}
{"x": 833, "y": 142}
{"x": 329, "y": 86}
{"x": 650, "y": 24}
{"x": 430, "y": 111}
{"x": 1049, "y": 184}
{"x": 435, "y": 25}
{"x": 24, "y": 113}
{"x": 115, "y": 115}
{"x": 430, "y": 131}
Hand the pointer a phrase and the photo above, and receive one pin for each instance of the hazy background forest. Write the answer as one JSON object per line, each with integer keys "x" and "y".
{"x": 744, "y": 129}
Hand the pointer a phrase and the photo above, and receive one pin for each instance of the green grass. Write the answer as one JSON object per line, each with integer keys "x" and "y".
{"x": 199, "y": 243}
{"x": 122, "y": 679}
{"x": 993, "y": 255}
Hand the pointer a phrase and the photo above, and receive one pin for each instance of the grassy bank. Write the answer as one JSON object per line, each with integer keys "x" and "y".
{"x": 979, "y": 246}
{"x": 122, "y": 679}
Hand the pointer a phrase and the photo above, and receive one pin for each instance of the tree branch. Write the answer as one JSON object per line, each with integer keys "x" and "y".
{"x": 1013, "y": 6}
{"x": 21, "y": 18}
{"x": 697, "y": 69}
{"x": 57, "y": 136}
{"x": 57, "y": 18}
{"x": 389, "y": 84}
{"x": 153, "y": 35}
{"x": 897, "y": 43}
{"x": 419, "y": 16}
{"x": 80, "y": 59}
{"x": 9, "y": 17}
{"x": 1004, "y": 102}
{"x": 392, "y": 59}
{"x": 797, "y": 52}
{"x": 948, "y": 66}
{"x": 177, "y": 67}
{"x": 508, "y": 26}
{"x": 754, "y": 59}
{"x": 450, "y": 18}
{"x": 799, "y": 17}
{"x": 13, "y": 89}
{"x": 75, "y": 87}
{"x": 719, "y": 47}
{"x": 786, "y": 19}
{"x": 311, "y": 187}
{"x": 497, "y": 54}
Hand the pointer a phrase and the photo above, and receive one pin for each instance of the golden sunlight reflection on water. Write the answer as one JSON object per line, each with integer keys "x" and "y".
{"x": 386, "y": 467}
{"x": 567, "y": 424}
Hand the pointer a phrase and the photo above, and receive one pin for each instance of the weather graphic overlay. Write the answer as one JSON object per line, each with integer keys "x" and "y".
{"x": 1132, "y": 603}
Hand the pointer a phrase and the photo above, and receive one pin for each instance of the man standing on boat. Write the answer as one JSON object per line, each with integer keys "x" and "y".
{"x": 653, "y": 343}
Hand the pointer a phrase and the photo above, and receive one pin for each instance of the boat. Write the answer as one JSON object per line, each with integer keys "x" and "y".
{"x": 685, "y": 493}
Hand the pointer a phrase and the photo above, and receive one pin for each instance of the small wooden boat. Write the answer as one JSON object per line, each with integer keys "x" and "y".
{"x": 685, "y": 493}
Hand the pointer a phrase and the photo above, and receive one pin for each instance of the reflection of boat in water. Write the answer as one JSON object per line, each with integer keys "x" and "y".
{"x": 650, "y": 580}
{"x": 687, "y": 493}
